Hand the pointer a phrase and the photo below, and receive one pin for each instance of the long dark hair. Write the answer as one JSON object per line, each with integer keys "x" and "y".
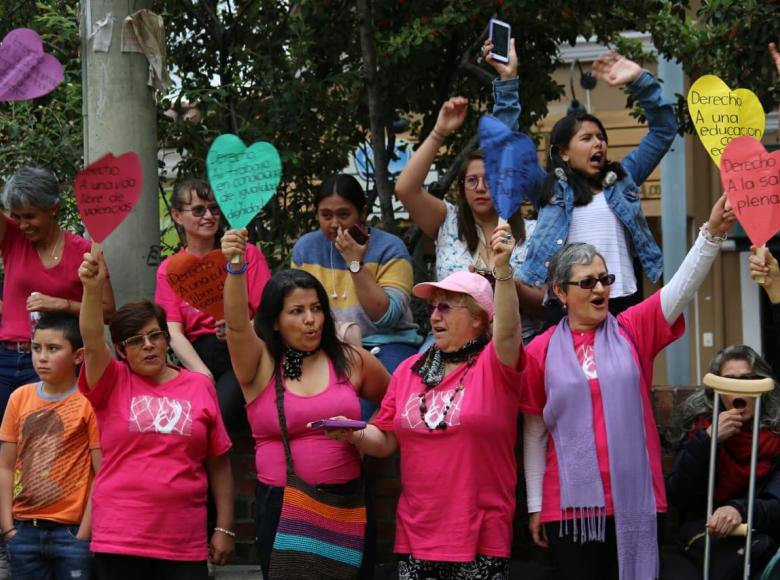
{"x": 276, "y": 290}
{"x": 561, "y": 135}
{"x": 467, "y": 227}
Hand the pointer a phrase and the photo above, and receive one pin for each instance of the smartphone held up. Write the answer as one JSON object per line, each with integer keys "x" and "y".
{"x": 500, "y": 33}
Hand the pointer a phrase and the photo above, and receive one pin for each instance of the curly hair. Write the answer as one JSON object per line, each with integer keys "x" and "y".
{"x": 700, "y": 403}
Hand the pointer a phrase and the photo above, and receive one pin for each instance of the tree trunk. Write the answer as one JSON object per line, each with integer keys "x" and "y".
{"x": 376, "y": 116}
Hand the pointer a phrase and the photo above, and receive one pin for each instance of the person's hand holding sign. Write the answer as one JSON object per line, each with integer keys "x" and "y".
{"x": 765, "y": 271}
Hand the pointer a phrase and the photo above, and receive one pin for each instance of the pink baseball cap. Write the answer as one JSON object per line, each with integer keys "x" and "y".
{"x": 464, "y": 282}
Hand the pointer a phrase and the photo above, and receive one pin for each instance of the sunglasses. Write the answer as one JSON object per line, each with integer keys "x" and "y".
{"x": 154, "y": 337}
{"x": 590, "y": 282}
{"x": 443, "y": 307}
{"x": 200, "y": 210}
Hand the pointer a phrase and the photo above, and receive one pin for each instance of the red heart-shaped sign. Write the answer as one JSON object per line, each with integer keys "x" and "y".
{"x": 107, "y": 191}
{"x": 199, "y": 281}
{"x": 751, "y": 179}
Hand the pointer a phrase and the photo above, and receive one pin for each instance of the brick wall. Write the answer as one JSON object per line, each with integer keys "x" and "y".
{"x": 383, "y": 480}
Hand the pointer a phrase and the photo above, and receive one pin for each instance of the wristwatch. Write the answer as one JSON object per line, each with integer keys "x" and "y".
{"x": 354, "y": 266}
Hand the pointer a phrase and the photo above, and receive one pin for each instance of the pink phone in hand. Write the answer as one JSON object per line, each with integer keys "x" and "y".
{"x": 338, "y": 424}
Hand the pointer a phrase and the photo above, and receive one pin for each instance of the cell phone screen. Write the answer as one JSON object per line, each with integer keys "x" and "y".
{"x": 500, "y": 37}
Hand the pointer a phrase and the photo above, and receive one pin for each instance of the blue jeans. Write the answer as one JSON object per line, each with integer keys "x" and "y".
{"x": 16, "y": 369}
{"x": 48, "y": 554}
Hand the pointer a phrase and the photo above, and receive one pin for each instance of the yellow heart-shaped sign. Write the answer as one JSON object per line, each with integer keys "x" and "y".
{"x": 720, "y": 114}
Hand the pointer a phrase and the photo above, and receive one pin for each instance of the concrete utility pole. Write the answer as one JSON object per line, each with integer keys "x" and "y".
{"x": 120, "y": 116}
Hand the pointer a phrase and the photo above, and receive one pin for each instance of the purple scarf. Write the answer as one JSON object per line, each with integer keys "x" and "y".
{"x": 568, "y": 416}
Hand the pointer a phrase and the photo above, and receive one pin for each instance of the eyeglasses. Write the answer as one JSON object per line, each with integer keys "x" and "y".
{"x": 471, "y": 182}
{"x": 154, "y": 337}
{"x": 443, "y": 307}
{"x": 199, "y": 211}
{"x": 590, "y": 282}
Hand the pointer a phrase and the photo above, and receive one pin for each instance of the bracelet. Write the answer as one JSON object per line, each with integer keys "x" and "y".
{"x": 711, "y": 238}
{"x": 230, "y": 533}
{"x": 241, "y": 270}
{"x": 438, "y": 136}
{"x": 4, "y": 533}
{"x": 509, "y": 276}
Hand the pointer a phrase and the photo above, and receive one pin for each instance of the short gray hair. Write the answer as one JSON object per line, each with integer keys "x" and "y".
{"x": 31, "y": 186}
{"x": 569, "y": 256}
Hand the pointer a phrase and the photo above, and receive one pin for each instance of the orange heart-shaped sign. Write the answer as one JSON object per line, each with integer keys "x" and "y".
{"x": 199, "y": 281}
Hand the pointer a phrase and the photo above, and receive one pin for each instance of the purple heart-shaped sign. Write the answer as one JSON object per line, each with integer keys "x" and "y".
{"x": 26, "y": 72}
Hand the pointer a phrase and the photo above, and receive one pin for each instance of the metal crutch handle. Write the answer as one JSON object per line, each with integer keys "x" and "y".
{"x": 746, "y": 388}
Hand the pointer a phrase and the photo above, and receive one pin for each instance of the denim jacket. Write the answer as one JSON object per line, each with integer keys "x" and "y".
{"x": 552, "y": 227}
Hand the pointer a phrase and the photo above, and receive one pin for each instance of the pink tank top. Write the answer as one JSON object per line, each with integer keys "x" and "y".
{"x": 317, "y": 458}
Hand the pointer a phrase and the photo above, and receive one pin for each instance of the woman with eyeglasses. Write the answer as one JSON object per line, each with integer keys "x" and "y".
{"x": 687, "y": 480}
{"x": 591, "y": 448}
{"x": 366, "y": 272}
{"x": 462, "y": 229}
{"x": 163, "y": 441}
{"x": 197, "y": 339}
{"x": 452, "y": 412}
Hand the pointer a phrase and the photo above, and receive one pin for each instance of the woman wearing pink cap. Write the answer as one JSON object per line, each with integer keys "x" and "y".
{"x": 453, "y": 413}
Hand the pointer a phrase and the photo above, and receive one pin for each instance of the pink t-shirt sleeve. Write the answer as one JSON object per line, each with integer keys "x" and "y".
{"x": 99, "y": 394}
{"x": 533, "y": 397}
{"x": 165, "y": 296}
{"x": 650, "y": 331}
{"x": 258, "y": 275}
{"x": 386, "y": 415}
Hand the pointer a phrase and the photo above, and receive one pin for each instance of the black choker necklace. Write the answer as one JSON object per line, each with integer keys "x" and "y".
{"x": 293, "y": 362}
{"x": 430, "y": 367}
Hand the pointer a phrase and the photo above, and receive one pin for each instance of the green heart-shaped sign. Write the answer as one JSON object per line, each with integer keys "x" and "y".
{"x": 243, "y": 178}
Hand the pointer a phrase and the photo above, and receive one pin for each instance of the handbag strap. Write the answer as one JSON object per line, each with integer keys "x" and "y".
{"x": 282, "y": 420}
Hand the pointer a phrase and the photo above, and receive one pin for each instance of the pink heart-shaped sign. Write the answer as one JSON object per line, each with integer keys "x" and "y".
{"x": 26, "y": 72}
{"x": 107, "y": 191}
{"x": 199, "y": 281}
{"x": 751, "y": 179}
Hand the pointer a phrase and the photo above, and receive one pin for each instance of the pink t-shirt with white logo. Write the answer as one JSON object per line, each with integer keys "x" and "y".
{"x": 149, "y": 497}
{"x": 647, "y": 332}
{"x": 25, "y": 274}
{"x": 457, "y": 484}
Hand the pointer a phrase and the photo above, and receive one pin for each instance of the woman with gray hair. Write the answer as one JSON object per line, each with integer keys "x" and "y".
{"x": 41, "y": 263}
{"x": 687, "y": 480}
{"x": 595, "y": 493}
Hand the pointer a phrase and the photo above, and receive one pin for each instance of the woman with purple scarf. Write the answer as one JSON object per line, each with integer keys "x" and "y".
{"x": 596, "y": 492}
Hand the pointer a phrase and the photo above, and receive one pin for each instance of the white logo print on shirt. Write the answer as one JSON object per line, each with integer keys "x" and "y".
{"x": 436, "y": 401}
{"x": 160, "y": 415}
{"x": 587, "y": 358}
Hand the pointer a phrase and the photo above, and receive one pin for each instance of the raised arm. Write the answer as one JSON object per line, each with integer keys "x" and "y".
{"x": 426, "y": 210}
{"x": 507, "y": 329}
{"x": 249, "y": 356}
{"x": 618, "y": 71}
{"x": 93, "y": 274}
{"x": 676, "y": 294}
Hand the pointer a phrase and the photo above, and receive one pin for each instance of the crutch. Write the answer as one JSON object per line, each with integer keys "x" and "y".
{"x": 739, "y": 388}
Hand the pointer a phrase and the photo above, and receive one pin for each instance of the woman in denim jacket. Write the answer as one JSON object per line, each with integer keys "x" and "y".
{"x": 582, "y": 196}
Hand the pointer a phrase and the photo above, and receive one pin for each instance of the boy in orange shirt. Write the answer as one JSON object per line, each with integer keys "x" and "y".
{"x": 49, "y": 455}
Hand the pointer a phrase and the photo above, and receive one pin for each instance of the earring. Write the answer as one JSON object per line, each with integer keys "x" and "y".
{"x": 560, "y": 173}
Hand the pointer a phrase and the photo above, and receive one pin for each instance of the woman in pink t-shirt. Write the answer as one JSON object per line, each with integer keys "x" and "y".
{"x": 41, "y": 263}
{"x": 452, "y": 412}
{"x": 294, "y": 337}
{"x": 596, "y": 492}
{"x": 163, "y": 443}
{"x": 197, "y": 339}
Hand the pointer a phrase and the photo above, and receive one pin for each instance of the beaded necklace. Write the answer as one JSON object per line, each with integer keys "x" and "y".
{"x": 442, "y": 424}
